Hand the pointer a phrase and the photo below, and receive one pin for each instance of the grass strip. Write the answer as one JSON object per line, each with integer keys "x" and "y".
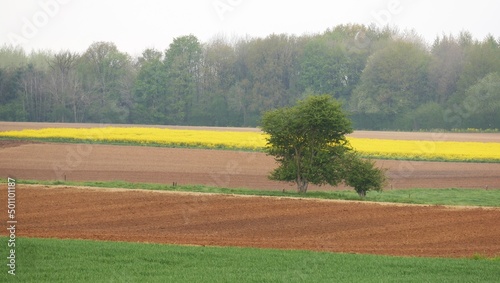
{"x": 55, "y": 260}
{"x": 451, "y": 196}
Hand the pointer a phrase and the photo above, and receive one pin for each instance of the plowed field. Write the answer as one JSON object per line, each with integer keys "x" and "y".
{"x": 79, "y": 162}
{"x": 222, "y": 220}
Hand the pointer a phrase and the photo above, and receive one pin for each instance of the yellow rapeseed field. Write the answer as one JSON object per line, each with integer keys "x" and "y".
{"x": 376, "y": 148}
{"x": 427, "y": 150}
{"x": 188, "y": 138}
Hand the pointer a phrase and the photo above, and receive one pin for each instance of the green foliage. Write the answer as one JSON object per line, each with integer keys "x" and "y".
{"x": 12, "y": 57}
{"x": 427, "y": 116}
{"x": 104, "y": 74}
{"x": 149, "y": 90}
{"x": 445, "y": 67}
{"x": 482, "y": 105}
{"x": 480, "y": 59}
{"x": 11, "y": 103}
{"x": 386, "y": 78}
{"x": 13, "y": 111}
{"x": 324, "y": 67}
{"x": 181, "y": 63}
{"x": 10, "y": 84}
{"x": 363, "y": 176}
{"x": 55, "y": 260}
{"x": 218, "y": 103}
{"x": 394, "y": 80}
{"x": 308, "y": 141}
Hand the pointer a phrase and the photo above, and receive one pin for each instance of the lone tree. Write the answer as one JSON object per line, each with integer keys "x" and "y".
{"x": 308, "y": 142}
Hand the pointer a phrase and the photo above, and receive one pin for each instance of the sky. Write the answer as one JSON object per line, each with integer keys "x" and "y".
{"x": 136, "y": 25}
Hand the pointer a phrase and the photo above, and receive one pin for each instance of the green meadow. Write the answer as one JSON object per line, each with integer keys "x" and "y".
{"x": 55, "y": 260}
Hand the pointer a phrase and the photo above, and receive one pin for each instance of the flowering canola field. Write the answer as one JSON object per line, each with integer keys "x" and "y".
{"x": 375, "y": 148}
{"x": 145, "y": 136}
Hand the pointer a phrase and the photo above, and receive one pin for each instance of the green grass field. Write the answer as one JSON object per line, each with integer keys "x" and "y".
{"x": 53, "y": 260}
{"x": 465, "y": 197}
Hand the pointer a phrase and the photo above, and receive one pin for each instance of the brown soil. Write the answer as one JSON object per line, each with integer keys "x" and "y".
{"x": 222, "y": 220}
{"x": 80, "y": 162}
{"x": 14, "y": 143}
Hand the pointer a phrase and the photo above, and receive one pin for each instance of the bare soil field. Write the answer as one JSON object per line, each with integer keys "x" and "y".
{"x": 265, "y": 222}
{"x": 233, "y": 169}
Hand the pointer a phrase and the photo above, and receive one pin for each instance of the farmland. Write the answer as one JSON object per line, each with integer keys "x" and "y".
{"x": 228, "y": 168}
{"x": 225, "y": 220}
{"x": 254, "y": 140}
{"x": 265, "y": 222}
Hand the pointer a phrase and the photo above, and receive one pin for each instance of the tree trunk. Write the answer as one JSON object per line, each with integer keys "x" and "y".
{"x": 362, "y": 194}
{"x": 302, "y": 185}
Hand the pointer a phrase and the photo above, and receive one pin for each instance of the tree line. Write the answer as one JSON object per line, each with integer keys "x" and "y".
{"x": 384, "y": 78}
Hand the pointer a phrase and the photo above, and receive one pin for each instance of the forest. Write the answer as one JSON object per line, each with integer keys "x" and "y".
{"x": 385, "y": 79}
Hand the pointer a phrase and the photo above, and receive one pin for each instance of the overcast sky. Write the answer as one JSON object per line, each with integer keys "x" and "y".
{"x": 135, "y": 25}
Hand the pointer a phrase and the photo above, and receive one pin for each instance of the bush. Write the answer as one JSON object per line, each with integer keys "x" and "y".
{"x": 363, "y": 176}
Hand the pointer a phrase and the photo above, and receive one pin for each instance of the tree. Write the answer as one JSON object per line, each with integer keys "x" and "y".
{"x": 182, "y": 65}
{"x": 104, "y": 72}
{"x": 64, "y": 87}
{"x": 481, "y": 59}
{"x": 308, "y": 141}
{"x": 217, "y": 79}
{"x": 481, "y": 107}
{"x": 445, "y": 67}
{"x": 329, "y": 65}
{"x": 36, "y": 101}
{"x": 362, "y": 175}
{"x": 271, "y": 65}
{"x": 11, "y": 103}
{"x": 149, "y": 89}
{"x": 394, "y": 81}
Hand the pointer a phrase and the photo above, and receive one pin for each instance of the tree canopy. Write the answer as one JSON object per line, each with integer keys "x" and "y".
{"x": 385, "y": 78}
{"x": 309, "y": 144}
